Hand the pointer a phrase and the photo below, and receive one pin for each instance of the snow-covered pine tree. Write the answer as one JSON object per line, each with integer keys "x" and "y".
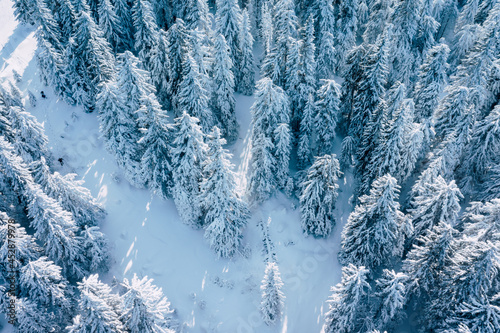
{"x": 262, "y": 178}
{"x": 156, "y": 169}
{"x": 425, "y": 262}
{"x": 380, "y": 11}
{"x": 24, "y": 11}
{"x": 427, "y": 29}
{"x": 108, "y": 23}
{"x": 69, "y": 192}
{"x": 223, "y": 89}
{"x": 94, "y": 242}
{"x": 391, "y": 292}
{"x": 192, "y": 97}
{"x": 188, "y": 155}
{"x": 451, "y": 108}
{"x": 304, "y": 152}
{"x": 246, "y": 82}
{"x": 283, "y": 146}
{"x": 30, "y": 141}
{"x": 266, "y": 26}
{"x": 371, "y": 85}
{"x": 97, "y": 308}
{"x": 268, "y": 249}
{"x": 144, "y": 308}
{"x": 345, "y": 34}
{"x": 31, "y": 317}
{"x": 326, "y": 40}
{"x": 348, "y": 304}
{"x": 159, "y": 64}
{"x": 48, "y": 26}
{"x": 438, "y": 203}
{"x": 202, "y": 52}
{"x": 482, "y": 152}
{"x": 294, "y": 78}
{"x": 405, "y": 17}
{"x": 272, "y": 299}
{"x": 65, "y": 16}
{"x": 319, "y": 194}
{"x": 228, "y": 22}
{"x": 225, "y": 213}
{"x": 177, "y": 38}
{"x": 376, "y": 229}
{"x": 400, "y": 146}
{"x": 199, "y": 16}
{"x": 51, "y": 65}
{"x": 126, "y": 24}
{"x": 93, "y": 61}
{"x": 41, "y": 281}
{"x": 327, "y": 115}
{"x": 146, "y": 30}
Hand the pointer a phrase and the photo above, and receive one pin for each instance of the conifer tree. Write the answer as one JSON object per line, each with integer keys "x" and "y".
{"x": 294, "y": 80}
{"x": 228, "y": 21}
{"x": 199, "y": 16}
{"x": 262, "y": 178}
{"x": 283, "y": 138}
{"x": 70, "y": 193}
{"x": 51, "y": 65}
{"x": 271, "y": 305}
{"x": 225, "y": 214}
{"x": 451, "y": 109}
{"x": 33, "y": 318}
{"x": 345, "y": 37}
{"x": 124, "y": 17}
{"x": 327, "y": 115}
{"x": 438, "y": 203}
{"x": 48, "y": 26}
{"x": 379, "y": 16}
{"x": 108, "y": 23}
{"x": 146, "y": 30}
{"x": 177, "y": 38}
{"x": 159, "y": 68}
{"x": 391, "y": 291}
{"x": 94, "y": 242}
{"x": 98, "y": 308}
{"x": 188, "y": 155}
{"x": 306, "y": 130}
{"x": 223, "y": 81}
{"x": 24, "y": 11}
{"x": 144, "y": 308}
{"x": 247, "y": 73}
{"x": 156, "y": 169}
{"x": 192, "y": 97}
{"x": 319, "y": 194}
{"x": 375, "y": 231}
{"x": 30, "y": 141}
{"x": 326, "y": 40}
{"x": 348, "y": 304}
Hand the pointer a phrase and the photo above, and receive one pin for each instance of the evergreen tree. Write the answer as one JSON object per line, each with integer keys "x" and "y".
{"x": 108, "y": 23}
{"x": 319, "y": 194}
{"x": 41, "y": 281}
{"x": 223, "y": 81}
{"x": 391, "y": 291}
{"x": 177, "y": 38}
{"x": 159, "y": 68}
{"x": 146, "y": 30}
{"x": 228, "y": 21}
{"x": 156, "y": 169}
{"x": 294, "y": 81}
{"x": 65, "y": 16}
{"x": 283, "y": 137}
{"x": 345, "y": 38}
{"x": 124, "y": 16}
{"x": 271, "y": 305}
{"x": 327, "y": 115}
{"x": 69, "y": 192}
{"x": 225, "y": 213}
{"x": 94, "y": 242}
{"x": 400, "y": 147}
{"x": 33, "y": 318}
{"x": 144, "y": 308}
{"x": 482, "y": 152}
{"x": 425, "y": 262}
{"x": 348, "y": 304}
{"x": 48, "y": 26}
{"x": 438, "y": 203}
{"x": 375, "y": 231}
{"x": 247, "y": 73}
{"x": 380, "y": 11}
{"x": 306, "y": 127}
{"x": 203, "y": 56}
{"x": 188, "y": 155}
{"x": 30, "y": 141}
{"x": 326, "y": 40}
{"x": 97, "y": 308}
{"x": 193, "y": 98}
{"x": 24, "y": 11}
{"x": 450, "y": 110}
{"x": 51, "y": 65}
{"x": 199, "y": 17}
{"x": 262, "y": 178}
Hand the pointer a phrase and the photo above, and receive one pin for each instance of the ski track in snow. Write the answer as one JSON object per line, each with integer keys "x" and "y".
{"x": 148, "y": 238}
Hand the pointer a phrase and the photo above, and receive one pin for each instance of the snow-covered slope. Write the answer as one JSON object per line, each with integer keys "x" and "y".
{"x": 148, "y": 238}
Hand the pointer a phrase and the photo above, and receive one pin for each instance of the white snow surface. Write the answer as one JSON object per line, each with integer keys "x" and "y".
{"x": 148, "y": 238}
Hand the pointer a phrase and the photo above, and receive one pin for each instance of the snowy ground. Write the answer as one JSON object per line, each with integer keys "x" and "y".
{"x": 148, "y": 238}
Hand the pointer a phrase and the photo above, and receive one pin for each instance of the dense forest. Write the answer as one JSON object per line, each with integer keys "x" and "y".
{"x": 402, "y": 94}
